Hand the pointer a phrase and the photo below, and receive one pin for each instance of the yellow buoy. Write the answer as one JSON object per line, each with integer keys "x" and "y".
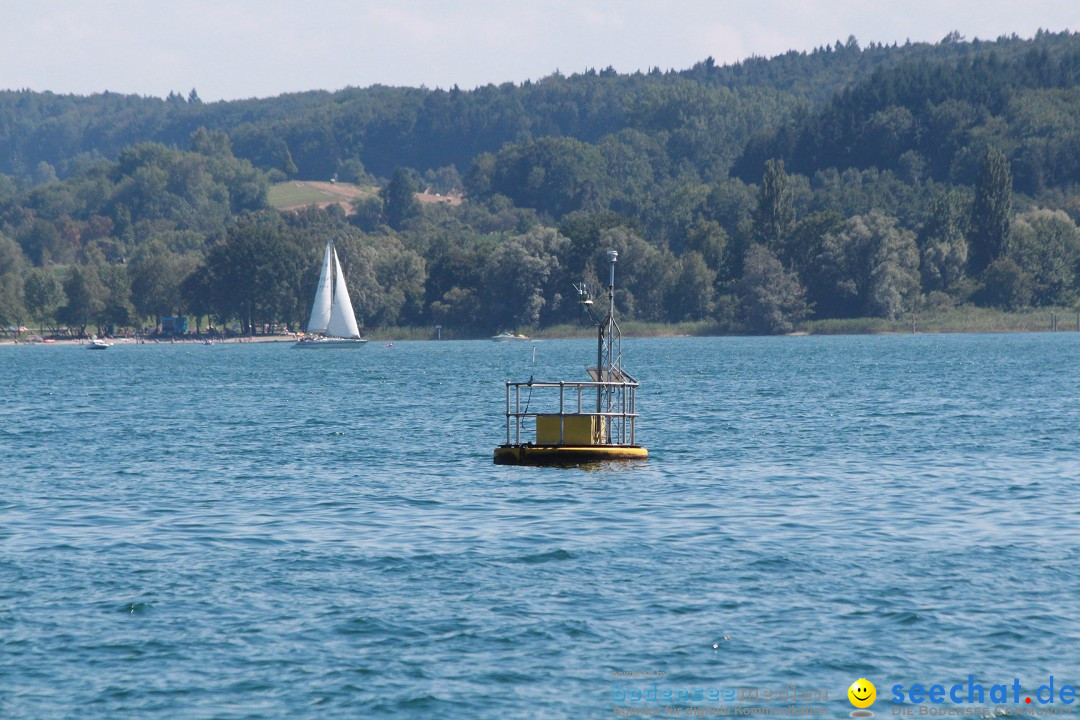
{"x": 576, "y": 433}
{"x": 530, "y": 454}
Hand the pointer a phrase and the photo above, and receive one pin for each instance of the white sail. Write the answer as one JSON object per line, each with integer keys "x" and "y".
{"x": 342, "y": 320}
{"x": 320, "y": 309}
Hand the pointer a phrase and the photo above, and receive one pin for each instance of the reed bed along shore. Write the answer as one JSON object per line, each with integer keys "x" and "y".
{"x": 953, "y": 320}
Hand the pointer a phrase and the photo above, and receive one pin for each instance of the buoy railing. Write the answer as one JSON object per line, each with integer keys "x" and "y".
{"x": 614, "y": 422}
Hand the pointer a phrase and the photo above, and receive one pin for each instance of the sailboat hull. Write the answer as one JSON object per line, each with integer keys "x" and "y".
{"x": 330, "y": 343}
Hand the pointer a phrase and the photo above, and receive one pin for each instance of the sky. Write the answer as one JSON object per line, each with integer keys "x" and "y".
{"x": 233, "y": 49}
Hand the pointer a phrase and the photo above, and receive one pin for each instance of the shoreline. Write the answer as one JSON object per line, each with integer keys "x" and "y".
{"x": 132, "y": 341}
{"x": 588, "y": 335}
{"x": 965, "y": 321}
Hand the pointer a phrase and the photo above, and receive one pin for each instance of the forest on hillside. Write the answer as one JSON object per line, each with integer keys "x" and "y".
{"x": 844, "y": 182}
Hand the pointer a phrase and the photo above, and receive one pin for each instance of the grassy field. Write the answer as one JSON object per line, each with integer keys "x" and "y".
{"x": 297, "y": 193}
{"x": 286, "y": 194}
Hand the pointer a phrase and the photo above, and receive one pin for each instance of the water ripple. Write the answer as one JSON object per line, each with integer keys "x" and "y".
{"x": 254, "y": 533}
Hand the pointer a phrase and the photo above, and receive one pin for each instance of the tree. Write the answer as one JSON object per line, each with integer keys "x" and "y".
{"x": 1005, "y": 285}
{"x": 256, "y": 272}
{"x": 516, "y": 278}
{"x": 197, "y": 291}
{"x": 731, "y": 203}
{"x": 44, "y": 294}
{"x": 12, "y": 309}
{"x": 815, "y": 266}
{"x": 894, "y": 280}
{"x": 43, "y": 174}
{"x": 991, "y": 213}
{"x": 555, "y": 176}
{"x": 772, "y": 298}
{"x": 12, "y": 262}
{"x": 156, "y": 277}
{"x": 118, "y": 310}
{"x": 477, "y": 180}
{"x": 691, "y": 295}
{"x": 367, "y": 213}
{"x": 869, "y": 266}
{"x": 403, "y": 274}
{"x": 710, "y": 240}
{"x": 458, "y": 307}
{"x": 670, "y": 212}
{"x": 386, "y": 280}
{"x": 444, "y": 181}
{"x": 1046, "y": 246}
{"x": 457, "y": 261}
{"x": 584, "y": 231}
{"x": 399, "y": 199}
{"x": 212, "y": 143}
{"x": 86, "y": 297}
{"x": 43, "y": 243}
{"x": 775, "y": 215}
{"x": 944, "y": 244}
{"x": 644, "y": 275}
{"x": 636, "y": 161}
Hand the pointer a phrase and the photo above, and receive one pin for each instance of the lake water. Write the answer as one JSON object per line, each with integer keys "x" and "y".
{"x": 249, "y": 531}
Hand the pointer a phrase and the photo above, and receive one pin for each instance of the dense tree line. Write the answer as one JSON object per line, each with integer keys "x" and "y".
{"x": 933, "y": 119}
{"x": 703, "y": 117}
{"x": 840, "y": 183}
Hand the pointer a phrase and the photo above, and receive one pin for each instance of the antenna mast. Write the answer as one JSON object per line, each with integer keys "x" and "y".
{"x": 610, "y": 396}
{"x": 608, "y": 350}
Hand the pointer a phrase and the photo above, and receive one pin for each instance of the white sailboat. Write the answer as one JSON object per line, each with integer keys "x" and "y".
{"x": 332, "y": 323}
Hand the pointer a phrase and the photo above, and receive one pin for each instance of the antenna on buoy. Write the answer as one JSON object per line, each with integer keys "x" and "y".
{"x": 608, "y": 349}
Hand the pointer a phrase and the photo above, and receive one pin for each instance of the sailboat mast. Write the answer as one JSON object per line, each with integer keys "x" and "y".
{"x": 333, "y": 272}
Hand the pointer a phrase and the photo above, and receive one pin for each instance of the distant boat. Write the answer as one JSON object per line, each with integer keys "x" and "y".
{"x": 508, "y": 337}
{"x": 96, "y": 344}
{"x": 332, "y": 323}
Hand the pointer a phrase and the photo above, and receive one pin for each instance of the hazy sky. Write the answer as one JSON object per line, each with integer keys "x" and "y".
{"x": 229, "y": 49}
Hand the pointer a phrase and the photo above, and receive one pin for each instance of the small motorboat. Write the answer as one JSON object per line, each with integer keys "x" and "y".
{"x": 97, "y": 344}
{"x": 509, "y": 337}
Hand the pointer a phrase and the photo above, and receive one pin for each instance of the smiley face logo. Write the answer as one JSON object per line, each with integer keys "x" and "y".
{"x": 862, "y": 693}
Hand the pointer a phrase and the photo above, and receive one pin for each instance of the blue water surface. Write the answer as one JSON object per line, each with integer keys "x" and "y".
{"x": 249, "y": 531}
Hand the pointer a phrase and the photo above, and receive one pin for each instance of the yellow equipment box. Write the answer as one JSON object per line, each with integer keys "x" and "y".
{"x": 576, "y": 430}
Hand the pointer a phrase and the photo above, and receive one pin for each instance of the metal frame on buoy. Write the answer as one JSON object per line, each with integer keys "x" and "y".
{"x": 574, "y": 435}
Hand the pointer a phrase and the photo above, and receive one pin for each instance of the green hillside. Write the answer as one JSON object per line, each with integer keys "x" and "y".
{"x": 848, "y": 182}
